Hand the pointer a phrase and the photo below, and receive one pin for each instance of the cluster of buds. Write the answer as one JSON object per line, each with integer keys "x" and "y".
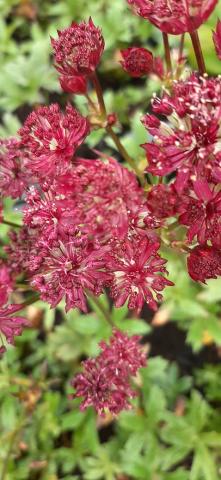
{"x": 93, "y": 224}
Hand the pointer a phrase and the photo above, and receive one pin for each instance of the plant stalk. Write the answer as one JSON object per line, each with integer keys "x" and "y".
{"x": 99, "y": 92}
{"x": 111, "y": 132}
{"x": 167, "y": 53}
{"x": 198, "y": 52}
{"x": 125, "y": 154}
{"x": 103, "y": 310}
{"x": 11, "y": 224}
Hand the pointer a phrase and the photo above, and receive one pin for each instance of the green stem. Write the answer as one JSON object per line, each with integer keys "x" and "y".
{"x": 99, "y": 92}
{"x": 102, "y": 309}
{"x": 181, "y": 47}
{"x": 111, "y": 132}
{"x": 198, "y": 52}
{"x": 91, "y": 103}
{"x": 180, "y": 56}
{"x": 167, "y": 53}
{"x": 125, "y": 154}
{"x": 11, "y": 224}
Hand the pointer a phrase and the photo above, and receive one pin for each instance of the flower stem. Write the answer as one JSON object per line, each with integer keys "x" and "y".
{"x": 180, "y": 56}
{"x": 103, "y": 310}
{"x": 198, "y": 52}
{"x": 111, "y": 132}
{"x": 99, "y": 92}
{"x": 90, "y": 101}
{"x": 125, "y": 154}
{"x": 181, "y": 47}
{"x": 167, "y": 53}
{"x": 11, "y": 224}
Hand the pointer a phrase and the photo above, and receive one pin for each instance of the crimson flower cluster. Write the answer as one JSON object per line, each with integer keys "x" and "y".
{"x": 187, "y": 146}
{"x": 87, "y": 226}
{"x": 91, "y": 224}
{"x": 174, "y": 16}
{"x": 77, "y": 52}
{"x": 105, "y": 380}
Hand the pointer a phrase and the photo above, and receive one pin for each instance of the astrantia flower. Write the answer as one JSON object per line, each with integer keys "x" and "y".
{"x": 162, "y": 201}
{"x": 102, "y": 387}
{"x": 10, "y": 325}
{"x": 174, "y": 16}
{"x": 204, "y": 262}
{"x": 6, "y": 283}
{"x": 217, "y": 39}
{"x": 52, "y": 138}
{"x": 136, "y": 267}
{"x": 23, "y": 254}
{"x": 78, "y": 49}
{"x": 137, "y": 61}
{"x": 202, "y": 214}
{"x": 68, "y": 270}
{"x": 73, "y": 84}
{"x": 189, "y": 142}
{"x": 49, "y": 214}
{"x": 125, "y": 352}
{"x": 13, "y": 178}
{"x": 105, "y": 381}
{"x": 105, "y": 193}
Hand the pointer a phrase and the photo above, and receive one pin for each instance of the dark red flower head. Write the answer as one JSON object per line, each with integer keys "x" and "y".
{"x": 137, "y": 61}
{"x": 174, "y": 16}
{"x": 13, "y": 177}
{"x": 162, "y": 201}
{"x": 204, "y": 262}
{"x": 78, "y": 49}
{"x": 52, "y": 138}
{"x": 105, "y": 381}
{"x": 201, "y": 213}
{"x": 217, "y": 39}
{"x": 136, "y": 267}
{"x": 189, "y": 141}
{"x": 69, "y": 269}
{"x": 11, "y": 325}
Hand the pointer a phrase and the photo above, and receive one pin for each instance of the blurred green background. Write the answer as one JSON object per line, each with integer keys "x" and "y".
{"x": 174, "y": 431}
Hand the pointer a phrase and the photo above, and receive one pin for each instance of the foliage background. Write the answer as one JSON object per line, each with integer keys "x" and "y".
{"x": 174, "y": 431}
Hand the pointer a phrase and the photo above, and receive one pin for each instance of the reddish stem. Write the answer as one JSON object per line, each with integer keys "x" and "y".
{"x": 198, "y": 52}
{"x": 167, "y": 53}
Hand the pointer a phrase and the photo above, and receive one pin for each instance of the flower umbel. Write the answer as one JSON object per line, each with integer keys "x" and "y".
{"x": 136, "y": 267}
{"x": 78, "y": 49}
{"x": 189, "y": 142}
{"x": 10, "y": 325}
{"x": 52, "y": 138}
{"x": 174, "y": 16}
{"x": 13, "y": 177}
{"x": 105, "y": 381}
{"x": 204, "y": 262}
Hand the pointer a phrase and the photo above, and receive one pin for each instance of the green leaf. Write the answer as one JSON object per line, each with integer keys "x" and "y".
{"x": 203, "y": 465}
{"x": 72, "y": 420}
{"x": 134, "y": 326}
{"x": 198, "y": 411}
{"x": 178, "y": 432}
